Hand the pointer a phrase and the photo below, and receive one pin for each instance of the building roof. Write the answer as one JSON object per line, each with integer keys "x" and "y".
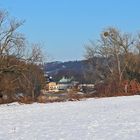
{"x": 65, "y": 80}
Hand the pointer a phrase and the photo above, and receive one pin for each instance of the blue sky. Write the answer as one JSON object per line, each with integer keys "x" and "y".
{"x": 63, "y": 27}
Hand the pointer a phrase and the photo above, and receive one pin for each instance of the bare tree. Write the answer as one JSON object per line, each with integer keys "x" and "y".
{"x": 16, "y": 66}
{"x": 114, "y": 47}
{"x": 11, "y": 42}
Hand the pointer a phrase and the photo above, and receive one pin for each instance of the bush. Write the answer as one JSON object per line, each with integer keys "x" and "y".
{"x": 126, "y": 88}
{"x": 73, "y": 96}
{"x": 42, "y": 99}
{"x": 26, "y": 100}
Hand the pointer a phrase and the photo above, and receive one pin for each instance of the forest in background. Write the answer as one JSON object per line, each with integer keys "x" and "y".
{"x": 19, "y": 72}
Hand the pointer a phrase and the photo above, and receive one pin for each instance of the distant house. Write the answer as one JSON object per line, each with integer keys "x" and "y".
{"x": 47, "y": 78}
{"x": 64, "y": 83}
{"x": 86, "y": 87}
{"x": 52, "y": 87}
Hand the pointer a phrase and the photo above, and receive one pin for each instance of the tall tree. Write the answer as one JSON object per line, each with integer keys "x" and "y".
{"x": 115, "y": 48}
{"x": 16, "y": 66}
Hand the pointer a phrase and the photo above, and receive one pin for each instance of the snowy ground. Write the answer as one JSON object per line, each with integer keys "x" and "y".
{"x": 115, "y": 118}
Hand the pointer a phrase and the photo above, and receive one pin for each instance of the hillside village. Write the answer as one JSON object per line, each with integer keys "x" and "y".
{"x": 67, "y": 85}
{"x": 69, "y": 89}
{"x": 64, "y": 88}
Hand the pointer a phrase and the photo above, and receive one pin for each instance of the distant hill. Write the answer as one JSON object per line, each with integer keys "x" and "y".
{"x": 68, "y": 69}
{"x": 79, "y": 70}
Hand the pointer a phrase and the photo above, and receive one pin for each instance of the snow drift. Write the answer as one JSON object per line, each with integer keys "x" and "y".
{"x": 115, "y": 118}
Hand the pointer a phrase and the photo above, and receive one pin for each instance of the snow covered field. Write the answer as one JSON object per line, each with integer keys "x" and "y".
{"x": 116, "y": 118}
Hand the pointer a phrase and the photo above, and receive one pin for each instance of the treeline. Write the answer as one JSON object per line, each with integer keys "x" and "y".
{"x": 119, "y": 71}
{"x": 19, "y": 73}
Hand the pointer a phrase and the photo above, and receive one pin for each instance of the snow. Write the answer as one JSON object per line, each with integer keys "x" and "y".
{"x": 116, "y": 118}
